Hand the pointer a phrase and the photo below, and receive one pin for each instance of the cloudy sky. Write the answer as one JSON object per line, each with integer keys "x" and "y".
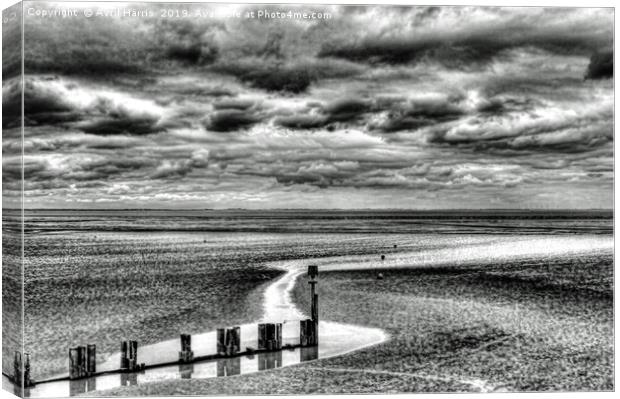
{"x": 375, "y": 107}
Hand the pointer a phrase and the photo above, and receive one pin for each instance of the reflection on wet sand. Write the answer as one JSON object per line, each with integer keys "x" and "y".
{"x": 228, "y": 367}
{"x": 186, "y": 370}
{"x": 269, "y": 360}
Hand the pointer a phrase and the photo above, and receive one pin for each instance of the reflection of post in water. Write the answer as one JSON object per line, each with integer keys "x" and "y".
{"x": 129, "y": 379}
{"x": 91, "y": 384}
{"x": 269, "y": 360}
{"x": 308, "y": 353}
{"x": 186, "y": 370}
{"x": 226, "y": 367}
{"x": 21, "y": 392}
{"x": 77, "y": 387}
{"x": 82, "y": 385}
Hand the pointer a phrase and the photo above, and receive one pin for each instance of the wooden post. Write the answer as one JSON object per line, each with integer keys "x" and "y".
{"x": 315, "y": 320}
{"x": 313, "y": 272}
{"x": 271, "y": 332}
{"x": 307, "y": 331}
{"x": 303, "y": 338}
{"x": 124, "y": 355}
{"x": 82, "y": 357}
{"x": 27, "y": 381}
{"x": 278, "y": 336}
{"x": 17, "y": 368}
{"x": 91, "y": 361}
{"x": 186, "y": 355}
{"x": 270, "y": 336}
{"x": 233, "y": 340}
{"x": 221, "y": 341}
{"x": 133, "y": 355}
{"x": 74, "y": 363}
{"x": 262, "y": 336}
{"x": 228, "y": 341}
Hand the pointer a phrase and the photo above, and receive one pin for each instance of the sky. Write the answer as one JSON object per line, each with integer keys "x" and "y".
{"x": 366, "y": 107}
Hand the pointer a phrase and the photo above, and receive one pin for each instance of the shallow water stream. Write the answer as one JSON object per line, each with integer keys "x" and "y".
{"x": 334, "y": 339}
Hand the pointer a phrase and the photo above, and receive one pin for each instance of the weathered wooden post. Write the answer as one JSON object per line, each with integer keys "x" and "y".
{"x": 77, "y": 362}
{"x": 221, "y": 341}
{"x": 228, "y": 341}
{"x": 129, "y": 356}
{"x": 133, "y": 355}
{"x": 270, "y": 336}
{"x": 186, "y": 355}
{"x": 82, "y": 357}
{"x": 303, "y": 333}
{"x": 91, "y": 359}
{"x": 124, "y": 355}
{"x": 313, "y": 272}
{"x": 278, "y": 337}
{"x": 233, "y": 341}
{"x": 17, "y": 368}
{"x": 21, "y": 370}
{"x": 262, "y": 336}
{"x": 27, "y": 381}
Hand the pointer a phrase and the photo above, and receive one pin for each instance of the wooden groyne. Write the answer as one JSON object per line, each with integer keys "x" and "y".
{"x": 82, "y": 359}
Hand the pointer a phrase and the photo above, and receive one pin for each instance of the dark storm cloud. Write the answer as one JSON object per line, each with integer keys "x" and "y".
{"x": 571, "y": 136}
{"x": 234, "y": 114}
{"x": 121, "y": 124}
{"x": 401, "y": 114}
{"x": 347, "y": 109}
{"x": 501, "y": 105}
{"x": 340, "y": 110}
{"x": 234, "y": 103}
{"x": 58, "y": 102}
{"x": 601, "y": 66}
{"x": 278, "y": 76}
{"x": 467, "y": 44}
{"x": 41, "y": 170}
{"x": 419, "y": 113}
{"x": 40, "y": 106}
{"x": 302, "y": 122}
{"x": 231, "y": 120}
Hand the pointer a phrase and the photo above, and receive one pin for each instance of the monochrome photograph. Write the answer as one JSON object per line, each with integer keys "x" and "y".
{"x": 295, "y": 199}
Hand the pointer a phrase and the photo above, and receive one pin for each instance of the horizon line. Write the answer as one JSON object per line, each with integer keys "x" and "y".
{"x": 315, "y": 209}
